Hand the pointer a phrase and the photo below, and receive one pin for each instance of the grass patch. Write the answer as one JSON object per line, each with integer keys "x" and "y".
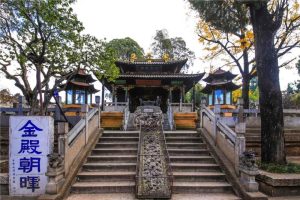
{"x": 276, "y": 168}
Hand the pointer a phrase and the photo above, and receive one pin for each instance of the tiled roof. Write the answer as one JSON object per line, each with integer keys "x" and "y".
{"x": 160, "y": 75}
{"x": 153, "y": 62}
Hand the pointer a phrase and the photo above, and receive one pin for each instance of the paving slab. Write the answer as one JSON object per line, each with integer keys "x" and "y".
{"x": 128, "y": 196}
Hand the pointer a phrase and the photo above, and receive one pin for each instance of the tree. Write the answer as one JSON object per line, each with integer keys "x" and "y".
{"x": 175, "y": 47}
{"x": 236, "y": 46}
{"x": 123, "y": 48}
{"x": 43, "y": 38}
{"x": 266, "y": 19}
{"x": 198, "y": 95}
{"x": 7, "y": 98}
{"x": 225, "y": 30}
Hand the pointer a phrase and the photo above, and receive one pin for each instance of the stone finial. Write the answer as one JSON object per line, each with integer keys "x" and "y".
{"x": 247, "y": 161}
{"x": 248, "y": 170}
{"x": 55, "y": 160}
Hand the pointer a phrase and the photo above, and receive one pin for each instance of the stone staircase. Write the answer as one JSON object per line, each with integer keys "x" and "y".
{"x": 111, "y": 166}
{"x": 194, "y": 169}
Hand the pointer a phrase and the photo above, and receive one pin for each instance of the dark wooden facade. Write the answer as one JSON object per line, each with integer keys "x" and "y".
{"x": 152, "y": 79}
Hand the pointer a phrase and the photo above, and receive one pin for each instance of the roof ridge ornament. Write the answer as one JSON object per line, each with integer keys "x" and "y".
{"x": 149, "y": 57}
{"x": 133, "y": 57}
{"x": 166, "y": 57}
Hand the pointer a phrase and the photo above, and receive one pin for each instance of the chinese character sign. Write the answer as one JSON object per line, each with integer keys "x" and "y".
{"x": 30, "y": 141}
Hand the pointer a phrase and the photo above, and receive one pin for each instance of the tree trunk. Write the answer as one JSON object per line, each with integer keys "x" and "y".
{"x": 245, "y": 91}
{"x": 270, "y": 98}
{"x": 39, "y": 87}
{"x": 246, "y": 79}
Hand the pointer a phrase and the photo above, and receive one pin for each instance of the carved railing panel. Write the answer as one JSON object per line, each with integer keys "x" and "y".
{"x": 154, "y": 175}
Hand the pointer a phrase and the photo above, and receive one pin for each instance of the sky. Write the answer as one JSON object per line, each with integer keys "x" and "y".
{"x": 139, "y": 20}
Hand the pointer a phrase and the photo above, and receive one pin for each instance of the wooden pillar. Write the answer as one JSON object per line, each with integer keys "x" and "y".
{"x": 126, "y": 93}
{"x": 183, "y": 93}
{"x": 170, "y": 94}
{"x": 113, "y": 93}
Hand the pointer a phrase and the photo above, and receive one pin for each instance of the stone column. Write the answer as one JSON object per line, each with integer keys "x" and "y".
{"x": 55, "y": 172}
{"x": 240, "y": 129}
{"x": 248, "y": 170}
{"x": 203, "y": 104}
{"x": 217, "y": 111}
{"x": 84, "y": 111}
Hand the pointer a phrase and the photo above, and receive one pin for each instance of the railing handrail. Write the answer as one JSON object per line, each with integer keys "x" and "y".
{"x": 228, "y": 132}
{"x": 74, "y": 132}
{"x": 210, "y": 114}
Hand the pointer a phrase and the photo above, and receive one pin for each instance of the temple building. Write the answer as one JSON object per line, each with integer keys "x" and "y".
{"x": 219, "y": 88}
{"x": 151, "y": 82}
{"x": 79, "y": 88}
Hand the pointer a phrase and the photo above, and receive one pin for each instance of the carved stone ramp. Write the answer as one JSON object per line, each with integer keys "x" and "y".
{"x": 111, "y": 166}
{"x": 195, "y": 171}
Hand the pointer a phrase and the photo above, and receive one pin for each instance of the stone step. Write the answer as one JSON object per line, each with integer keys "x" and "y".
{"x": 187, "y": 152}
{"x": 86, "y": 176}
{"x": 121, "y": 134}
{"x": 181, "y": 131}
{"x": 118, "y": 139}
{"x": 114, "y": 151}
{"x": 117, "y": 145}
{"x": 103, "y": 187}
{"x": 192, "y": 159}
{"x": 190, "y": 145}
{"x": 175, "y": 134}
{"x": 194, "y": 167}
{"x": 199, "y": 176}
{"x": 109, "y": 166}
{"x": 112, "y": 158}
{"x": 201, "y": 187}
{"x": 184, "y": 139}
{"x": 119, "y": 131}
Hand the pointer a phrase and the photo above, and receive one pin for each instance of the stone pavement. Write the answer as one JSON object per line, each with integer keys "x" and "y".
{"x": 126, "y": 196}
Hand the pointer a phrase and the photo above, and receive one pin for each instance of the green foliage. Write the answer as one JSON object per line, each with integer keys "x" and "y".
{"x": 276, "y": 168}
{"x": 198, "y": 95}
{"x": 175, "y": 47}
{"x": 123, "y": 48}
{"x": 227, "y": 16}
{"x": 46, "y": 36}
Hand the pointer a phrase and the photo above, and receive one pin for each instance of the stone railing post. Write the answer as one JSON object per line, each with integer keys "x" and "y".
{"x": 217, "y": 111}
{"x": 240, "y": 142}
{"x": 84, "y": 111}
{"x": 202, "y": 106}
{"x": 97, "y": 100}
{"x": 248, "y": 170}
{"x": 62, "y": 130}
{"x": 56, "y": 174}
